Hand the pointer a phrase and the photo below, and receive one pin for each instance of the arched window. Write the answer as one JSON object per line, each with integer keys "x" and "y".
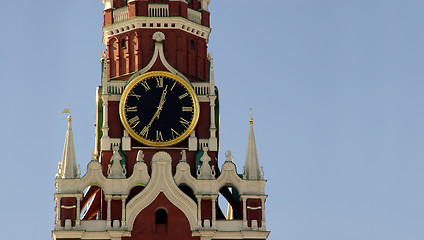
{"x": 161, "y": 216}
{"x": 126, "y": 2}
{"x": 161, "y": 220}
{"x": 123, "y": 43}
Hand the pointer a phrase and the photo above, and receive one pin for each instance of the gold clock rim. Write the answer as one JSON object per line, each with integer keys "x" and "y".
{"x": 137, "y": 137}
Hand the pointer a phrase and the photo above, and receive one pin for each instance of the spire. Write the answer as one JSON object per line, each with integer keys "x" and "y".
{"x": 251, "y": 166}
{"x": 68, "y": 167}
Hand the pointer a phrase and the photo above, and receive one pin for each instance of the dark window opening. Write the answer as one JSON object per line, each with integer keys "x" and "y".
{"x": 161, "y": 216}
{"x": 192, "y": 44}
{"x": 123, "y": 43}
{"x": 161, "y": 220}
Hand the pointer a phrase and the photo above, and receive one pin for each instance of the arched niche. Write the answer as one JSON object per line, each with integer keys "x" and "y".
{"x": 230, "y": 206}
{"x": 91, "y": 203}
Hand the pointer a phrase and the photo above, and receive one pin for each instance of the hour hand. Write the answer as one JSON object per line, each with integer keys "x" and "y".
{"x": 162, "y": 99}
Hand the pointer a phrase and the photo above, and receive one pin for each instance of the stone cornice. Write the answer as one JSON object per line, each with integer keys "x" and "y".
{"x": 177, "y": 23}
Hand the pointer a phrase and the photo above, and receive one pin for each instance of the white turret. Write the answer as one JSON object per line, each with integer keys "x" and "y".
{"x": 68, "y": 166}
{"x": 251, "y": 170}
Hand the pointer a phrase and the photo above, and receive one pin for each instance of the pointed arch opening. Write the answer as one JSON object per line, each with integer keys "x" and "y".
{"x": 229, "y": 205}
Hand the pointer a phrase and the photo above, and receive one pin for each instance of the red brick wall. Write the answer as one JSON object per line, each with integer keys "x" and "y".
{"x": 68, "y": 213}
{"x": 193, "y": 63}
{"x": 177, "y": 228}
{"x": 254, "y": 214}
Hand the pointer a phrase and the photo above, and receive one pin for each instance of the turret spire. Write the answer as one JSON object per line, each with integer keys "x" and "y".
{"x": 251, "y": 166}
{"x": 68, "y": 166}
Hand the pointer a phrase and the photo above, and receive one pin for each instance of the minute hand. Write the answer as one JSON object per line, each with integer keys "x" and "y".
{"x": 161, "y": 102}
{"x": 159, "y": 108}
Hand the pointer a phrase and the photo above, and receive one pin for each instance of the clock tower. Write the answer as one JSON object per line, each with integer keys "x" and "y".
{"x": 154, "y": 172}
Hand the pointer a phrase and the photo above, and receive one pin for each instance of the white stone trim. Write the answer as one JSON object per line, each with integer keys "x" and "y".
{"x": 95, "y": 177}
{"x": 69, "y": 207}
{"x": 162, "y": 181}
{"x": 254, "y": 208}
{"x": 90, "y": 235}
{"x": 180, "y": 23}
{"x": 108, "y": 4}
{"x": 228, "y": 177}
{"x": 210, "y": 234}
{"x": 158, "y": 52}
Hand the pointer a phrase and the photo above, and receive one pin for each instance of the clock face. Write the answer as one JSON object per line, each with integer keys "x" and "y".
{"x": 159, "y": 109}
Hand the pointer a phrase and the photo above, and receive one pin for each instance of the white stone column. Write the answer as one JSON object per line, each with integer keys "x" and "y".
{"x": 212, "y": 99}
{"x": 263, "y": 226}
{"x": 109, "y": 211}
{"x": 105, "y": 141}
{"x": 199, "y": 211}
{"x": 245, "y": 225}
{"x": 78, "y": 212}
{"x": 214, "y": 198}
{"x": 213, "y": 141}
{"x": 58, "y": 212}
{"x": 123, "y": 217}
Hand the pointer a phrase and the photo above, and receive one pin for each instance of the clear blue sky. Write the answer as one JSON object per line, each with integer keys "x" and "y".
{"x": 337, "y": 92}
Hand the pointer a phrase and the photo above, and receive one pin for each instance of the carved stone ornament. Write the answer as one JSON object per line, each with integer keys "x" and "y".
{"x": 115, "y": 170}
{"x": 93, "y": 155}
{"x": 59, "y": 170}
{"x": 205, "y": 171}
{"x": 228, "y": 156}
{"x": 158, "y": 36}
{"x": 140, "y": 156}
{"x": 183, "y": 156}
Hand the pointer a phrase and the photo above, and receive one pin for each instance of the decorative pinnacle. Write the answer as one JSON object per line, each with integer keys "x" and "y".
{"x": 250, "y": 112}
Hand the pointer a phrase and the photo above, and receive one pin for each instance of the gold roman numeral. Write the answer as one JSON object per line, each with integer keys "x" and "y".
{"x": 183, "y": 96}
{"x": 144, "y": 132}
{"x": 159, "y": 137}
{"x": 174, "y": 133}
{"x": 187, "y": 109}
{"x": 173, "y": 85}
{"x": 131, "y": 109}
{"x": 134, "y": 121}
{"x": 145, "y": 85}
{"x": 159, "y": 81}
{"x": 184, "y": 122}
{"x": 132, "y": 94}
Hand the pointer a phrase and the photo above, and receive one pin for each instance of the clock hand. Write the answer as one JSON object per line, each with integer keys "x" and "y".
{"x": 159, "y": 108}
{"x": 161, "y": 102}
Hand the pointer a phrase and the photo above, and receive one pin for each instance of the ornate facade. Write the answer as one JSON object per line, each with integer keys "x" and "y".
{"x": 154, "y": 173}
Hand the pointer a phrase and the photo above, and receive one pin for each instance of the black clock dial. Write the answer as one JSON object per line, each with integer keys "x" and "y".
{"x": 159, "y": 109}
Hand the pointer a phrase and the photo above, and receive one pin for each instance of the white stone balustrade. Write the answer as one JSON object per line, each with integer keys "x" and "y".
{"x": 158, "y": 10}
{"x": 201, "y": 88}
{"x": 120, "y": 14}
{"x": 115, "y": 87}
{"x": 194, "y": 16}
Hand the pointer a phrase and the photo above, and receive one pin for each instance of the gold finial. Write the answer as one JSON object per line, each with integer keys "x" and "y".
{"x": 250, "y": 112}
{"x": 68, "y": 110}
